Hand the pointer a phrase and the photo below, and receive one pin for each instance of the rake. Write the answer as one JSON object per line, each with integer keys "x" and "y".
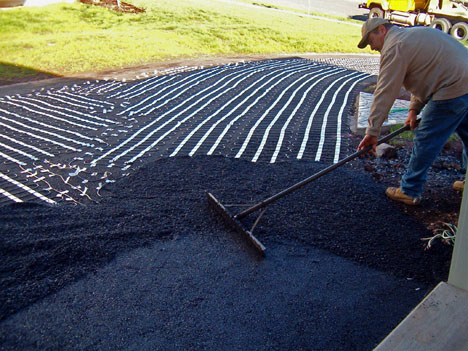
{"x": 234, "y": 220}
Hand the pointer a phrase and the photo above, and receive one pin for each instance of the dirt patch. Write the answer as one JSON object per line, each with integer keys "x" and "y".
{"x": 136, "y": 72}
{"x": 140, "y": 71}
{"x": 36, "y": 77}
{"x": 440, "y": 203}
{"x": 114, "y": 5}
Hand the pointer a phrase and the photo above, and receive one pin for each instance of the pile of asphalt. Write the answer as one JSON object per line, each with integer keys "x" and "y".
{"x": 345, "y": 213}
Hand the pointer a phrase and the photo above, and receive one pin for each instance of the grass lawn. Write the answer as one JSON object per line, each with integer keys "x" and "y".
{"x": 64, "y": 39}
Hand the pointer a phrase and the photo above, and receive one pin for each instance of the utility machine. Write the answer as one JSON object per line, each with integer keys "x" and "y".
{"x": 449, "y": 16}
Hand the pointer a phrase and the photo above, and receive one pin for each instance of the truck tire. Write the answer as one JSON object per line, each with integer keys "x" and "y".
{"x": 460, "y": 31}
{"x": 442, "y": 24}
{"x": 376, "y": 12}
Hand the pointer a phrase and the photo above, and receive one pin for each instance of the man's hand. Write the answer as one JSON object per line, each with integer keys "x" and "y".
{"x": 368, "y": 140}
{"x": 411, "y": 119}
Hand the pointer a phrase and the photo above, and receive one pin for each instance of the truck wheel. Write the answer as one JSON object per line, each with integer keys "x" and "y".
{"x": 442, "y": 24}
{"x": 460, "y": 31}
{"x": 376, "y": 12}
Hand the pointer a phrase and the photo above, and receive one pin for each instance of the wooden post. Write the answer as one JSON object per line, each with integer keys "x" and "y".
{"x": 458, "y": 275}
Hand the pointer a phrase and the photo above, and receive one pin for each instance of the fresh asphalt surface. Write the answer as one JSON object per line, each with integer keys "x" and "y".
{"x": 204, "y": 289}
{"x": 211, "y": 293}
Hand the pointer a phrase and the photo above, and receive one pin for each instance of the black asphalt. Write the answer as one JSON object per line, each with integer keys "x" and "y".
{"x": 204, "y": 292}
{"x": 153, "y": 268}
{"x": 150, "y": 267}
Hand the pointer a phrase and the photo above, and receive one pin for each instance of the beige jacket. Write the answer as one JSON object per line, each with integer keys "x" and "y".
{"x": 427, "y": 62}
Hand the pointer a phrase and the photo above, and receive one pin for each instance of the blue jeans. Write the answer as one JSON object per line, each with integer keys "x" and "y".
{"x": 440, "y": 119}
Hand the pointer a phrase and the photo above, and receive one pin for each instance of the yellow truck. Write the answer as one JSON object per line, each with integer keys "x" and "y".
{"x": 450, "y": 16}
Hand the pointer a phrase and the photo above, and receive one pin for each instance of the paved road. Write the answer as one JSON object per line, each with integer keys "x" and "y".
{"x": 345, "y": 8}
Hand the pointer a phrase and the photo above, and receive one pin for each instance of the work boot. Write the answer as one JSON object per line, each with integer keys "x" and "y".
{"x": 459, "y": 185}
{"x": 397, "y": 195}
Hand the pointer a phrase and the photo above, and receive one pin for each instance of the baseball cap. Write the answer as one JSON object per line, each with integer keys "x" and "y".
{"x": 369, "y": 26}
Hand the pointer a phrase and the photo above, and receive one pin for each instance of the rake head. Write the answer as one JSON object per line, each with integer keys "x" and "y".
{"x": 235, "y": 224}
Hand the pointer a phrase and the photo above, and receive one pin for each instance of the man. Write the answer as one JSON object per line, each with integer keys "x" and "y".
{"x": 433, "y": 67}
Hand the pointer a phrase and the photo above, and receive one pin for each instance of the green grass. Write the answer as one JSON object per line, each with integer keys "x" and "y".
{"x": 407, "y": 135}
{"x": 65, "y": 39}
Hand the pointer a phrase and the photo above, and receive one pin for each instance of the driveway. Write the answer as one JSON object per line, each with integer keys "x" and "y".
{"x": 344, "y": 8}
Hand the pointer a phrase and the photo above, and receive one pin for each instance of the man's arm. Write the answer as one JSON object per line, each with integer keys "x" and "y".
{"x": 391, "y": 76}
{"x": 392, "y": 73}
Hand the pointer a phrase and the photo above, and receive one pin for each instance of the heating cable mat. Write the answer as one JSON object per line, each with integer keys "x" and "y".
{"x": 66, "y": 144}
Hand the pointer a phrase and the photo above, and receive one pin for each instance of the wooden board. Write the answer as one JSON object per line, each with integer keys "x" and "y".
{"x": 458, "y": 275}
{"x": 439, "y": 322}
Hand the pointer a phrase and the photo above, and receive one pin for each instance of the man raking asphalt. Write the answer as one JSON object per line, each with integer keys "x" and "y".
{"x": 233, "y": 220}
{"x": 433, "y": 67}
